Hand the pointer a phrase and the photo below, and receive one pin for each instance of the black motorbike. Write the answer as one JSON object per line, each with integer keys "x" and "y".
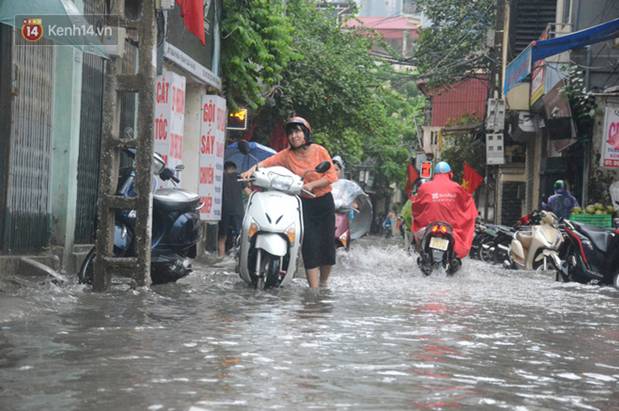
{"x": 494, "y": 247}
{"x": 175, "y": 226}
{"x": 436, "y": 249}
{"x": 590, "y": 254}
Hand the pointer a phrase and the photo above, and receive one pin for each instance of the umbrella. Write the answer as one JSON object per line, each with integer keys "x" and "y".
{"x": 244, "y": 162}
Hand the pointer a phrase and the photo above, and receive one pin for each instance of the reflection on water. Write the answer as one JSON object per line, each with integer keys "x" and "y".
{"x": 382, "y": 337}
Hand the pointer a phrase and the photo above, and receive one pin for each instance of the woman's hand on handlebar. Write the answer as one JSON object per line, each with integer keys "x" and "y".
{"x": 246, "y": 175}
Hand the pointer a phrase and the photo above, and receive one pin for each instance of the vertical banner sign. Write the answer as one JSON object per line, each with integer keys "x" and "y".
{"x": 212, "y": 146}
{"x": 170, "y": 117}
{"x": 610, "y": 139}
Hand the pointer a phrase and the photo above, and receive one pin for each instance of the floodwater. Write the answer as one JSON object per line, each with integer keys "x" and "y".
{"x": 381, "y": 338}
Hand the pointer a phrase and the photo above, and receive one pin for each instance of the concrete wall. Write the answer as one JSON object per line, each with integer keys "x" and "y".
{"x": 65, "y": 147}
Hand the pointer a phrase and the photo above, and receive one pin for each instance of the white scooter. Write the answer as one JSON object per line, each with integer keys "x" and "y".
{"x": 272, "y": 230}
{"x": 536, "y": 247}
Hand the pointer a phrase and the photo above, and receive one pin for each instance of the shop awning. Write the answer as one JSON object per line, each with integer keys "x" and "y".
{"x": 520, "y": 67}
{"x": 9, "y": 9}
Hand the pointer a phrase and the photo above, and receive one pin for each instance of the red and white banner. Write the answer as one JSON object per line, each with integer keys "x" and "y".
{"x": 170, "y": 117}
{"x": 610, "y": 139}
{"x": 212, "y": 147}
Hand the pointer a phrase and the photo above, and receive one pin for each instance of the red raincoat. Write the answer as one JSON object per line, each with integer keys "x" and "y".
{"x": 444, "y": 200}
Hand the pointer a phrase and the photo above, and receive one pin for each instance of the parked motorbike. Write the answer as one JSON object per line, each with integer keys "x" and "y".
{"x": 536, "y": 246}
{"x": 494, "y": 246}
{"x": 175, "y": 226}
{"x": 591, "y": 254}
{"x": 273, "y": 226}
{"x": 353, "y": 212}
{"x": 436, "y": 249}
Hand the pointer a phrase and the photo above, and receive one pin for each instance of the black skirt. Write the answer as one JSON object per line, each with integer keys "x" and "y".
{"x": 319, "y": 236}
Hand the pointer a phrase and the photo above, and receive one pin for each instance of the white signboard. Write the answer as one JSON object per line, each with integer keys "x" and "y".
{"x": 610, "y": 139}
{"x": 212, "y": 147}
{"x": 494, "y": 148}
{"x": 170, "y": 117}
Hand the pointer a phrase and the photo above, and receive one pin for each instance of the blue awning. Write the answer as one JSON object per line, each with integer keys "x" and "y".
{"x": 591, "y": 35}
{"x": 520, "y": 67}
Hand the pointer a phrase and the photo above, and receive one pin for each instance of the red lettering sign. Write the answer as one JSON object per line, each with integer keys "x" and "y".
{"x": 161, "y": 128}
{"x": 162, "y": 91}
{"x": 208, "y": 112}
{"x": 178, "y": 100}
{"x": 176, "y": 146}
{"x": 208, "y": 204}
{"x": 207, "y": 144}
{"x": 207, "y": 175}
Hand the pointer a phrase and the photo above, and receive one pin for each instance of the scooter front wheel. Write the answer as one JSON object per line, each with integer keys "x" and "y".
{"x": 268, "y": 273}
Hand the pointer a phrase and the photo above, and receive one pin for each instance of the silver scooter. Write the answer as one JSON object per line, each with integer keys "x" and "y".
{"x": 536, "y": 247}
{"x": 272, "y": 231}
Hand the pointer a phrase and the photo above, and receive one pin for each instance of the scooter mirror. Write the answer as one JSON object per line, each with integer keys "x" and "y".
{"x": 243, "y": 146}
{"x": 323, "y": 167}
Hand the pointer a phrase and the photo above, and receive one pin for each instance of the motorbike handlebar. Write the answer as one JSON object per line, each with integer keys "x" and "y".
{"x": 309, "y": 193}
{"x": 175, "y": 179}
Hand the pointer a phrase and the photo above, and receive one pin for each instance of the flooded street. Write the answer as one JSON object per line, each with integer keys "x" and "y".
{"x": 381, "y": 338}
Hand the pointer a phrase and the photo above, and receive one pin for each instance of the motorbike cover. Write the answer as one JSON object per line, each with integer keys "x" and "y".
{"x": 444, "y": 200}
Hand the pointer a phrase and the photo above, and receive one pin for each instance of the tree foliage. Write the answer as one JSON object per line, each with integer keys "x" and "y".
{"x": 358, "y": 108}
{"x": 256, "y": 49}
{"x": 454, "y": 46}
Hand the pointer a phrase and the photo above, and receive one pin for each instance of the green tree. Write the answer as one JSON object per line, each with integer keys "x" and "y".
{"x": 359, "y": 108}
{"x": 454, "y": 46}
{"x": 257, "y": 48}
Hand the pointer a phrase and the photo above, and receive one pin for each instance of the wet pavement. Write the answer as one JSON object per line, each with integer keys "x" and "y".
{"x": 382, "y": 337}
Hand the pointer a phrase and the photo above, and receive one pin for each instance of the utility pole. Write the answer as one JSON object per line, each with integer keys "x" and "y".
{"x": 117, "y": 82}
{"x": 494, "y": 92}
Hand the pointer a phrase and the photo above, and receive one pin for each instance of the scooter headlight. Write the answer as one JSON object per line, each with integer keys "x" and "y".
{"x": 252, "y": 230}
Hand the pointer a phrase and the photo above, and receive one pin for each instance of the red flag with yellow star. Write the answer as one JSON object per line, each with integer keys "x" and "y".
{"x": 471, "y": 179}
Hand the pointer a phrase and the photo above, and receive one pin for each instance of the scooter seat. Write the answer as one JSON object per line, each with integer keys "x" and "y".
{"x": 175, "y": 199}
{"x": 600, "y": 237}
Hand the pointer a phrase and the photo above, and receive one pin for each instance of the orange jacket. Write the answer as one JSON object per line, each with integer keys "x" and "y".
{"x": 299, "y": 162}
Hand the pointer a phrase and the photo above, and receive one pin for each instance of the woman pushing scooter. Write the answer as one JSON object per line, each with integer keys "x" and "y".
{"x": 300, "y": 157}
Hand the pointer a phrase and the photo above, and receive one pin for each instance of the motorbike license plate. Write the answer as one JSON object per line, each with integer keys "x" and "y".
{"x": 439, "y": 243}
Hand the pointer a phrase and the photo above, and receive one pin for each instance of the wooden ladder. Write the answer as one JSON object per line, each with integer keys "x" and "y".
{"x": 113, "y": 144}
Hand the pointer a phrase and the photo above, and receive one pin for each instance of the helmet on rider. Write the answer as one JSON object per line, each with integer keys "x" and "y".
{"x": 442, "y": 168}
{"x": 294, "y": 123}
{"x": 559, "y": 185}
{"x": 337, "y": 160}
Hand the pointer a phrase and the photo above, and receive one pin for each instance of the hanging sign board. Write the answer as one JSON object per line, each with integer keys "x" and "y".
{"x": 610, "y": 139}
{"x": 212, "y": 147}
{"x": 169, "y": 117}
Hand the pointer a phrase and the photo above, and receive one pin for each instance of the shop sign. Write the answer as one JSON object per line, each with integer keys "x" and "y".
{"x": 169, "y": 117}
{"x": 610, "y": 139}
{"x": 212, "y": 146}
{"x": 517, "y": 70}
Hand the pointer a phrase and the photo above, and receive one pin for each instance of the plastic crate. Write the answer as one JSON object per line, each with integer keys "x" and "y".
{"x": 597, "y": 220}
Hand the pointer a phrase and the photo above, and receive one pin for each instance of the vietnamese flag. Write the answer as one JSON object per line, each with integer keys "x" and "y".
{"x": 471, "y": 179}
{"x": 192, "y": 12}
{"x": 411, "y": 176}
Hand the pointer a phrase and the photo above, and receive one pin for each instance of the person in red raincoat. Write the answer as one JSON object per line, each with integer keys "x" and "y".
{"x": 445, "y": 200}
